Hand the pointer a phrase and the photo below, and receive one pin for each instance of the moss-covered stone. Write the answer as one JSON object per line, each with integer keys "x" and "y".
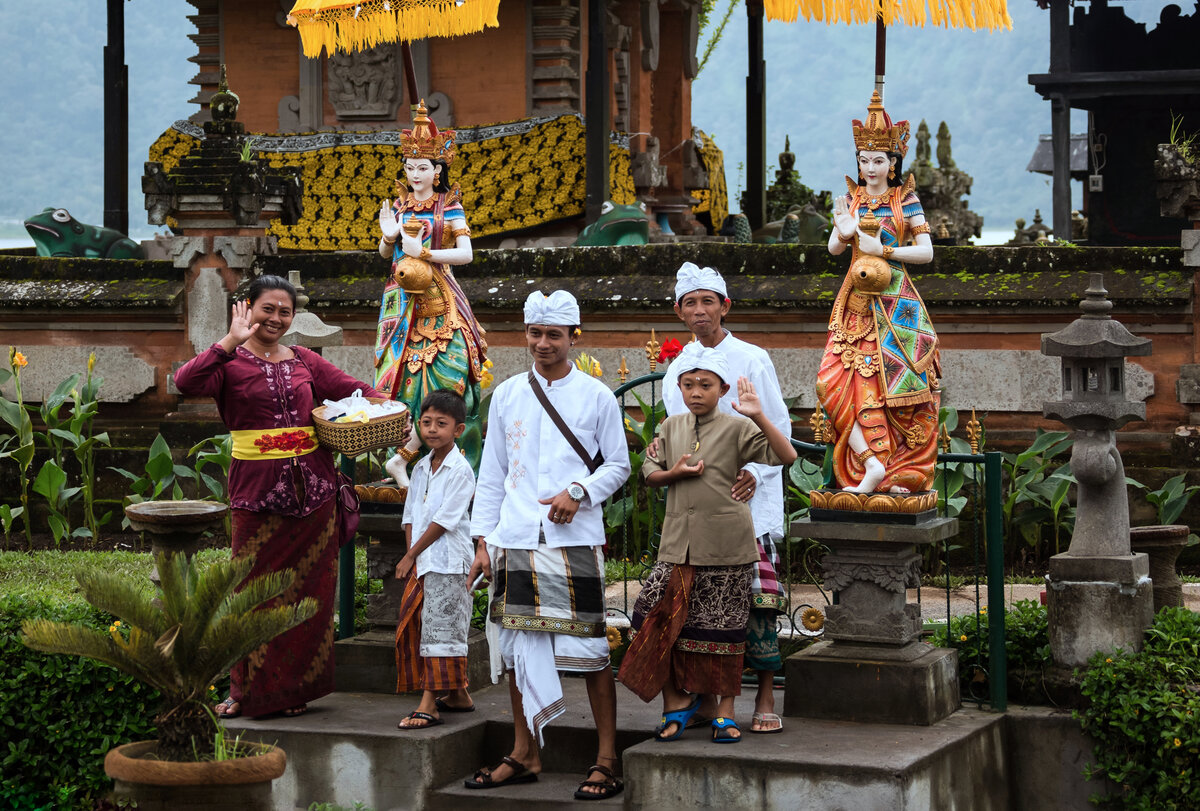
{"x": 74, "y": 283}
{"x": 770, "y": 277}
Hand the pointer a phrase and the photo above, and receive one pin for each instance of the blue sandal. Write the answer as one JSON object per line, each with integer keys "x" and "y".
{"x": 721, "y": 727}
{"x": 679, "y": 717}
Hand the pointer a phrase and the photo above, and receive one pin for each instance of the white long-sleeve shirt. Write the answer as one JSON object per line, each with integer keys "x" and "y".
{"x": 526, "y": 458}
{"x": 753, "y": 363}
{"x": 442, "y": 498}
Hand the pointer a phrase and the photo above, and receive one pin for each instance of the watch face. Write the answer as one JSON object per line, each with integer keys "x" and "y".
{"x": 575, "y": 491}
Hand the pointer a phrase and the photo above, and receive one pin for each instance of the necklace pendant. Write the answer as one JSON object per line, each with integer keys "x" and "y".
{"x": 696, "y": 446}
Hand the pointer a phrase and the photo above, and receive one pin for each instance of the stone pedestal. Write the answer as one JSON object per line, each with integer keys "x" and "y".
{"x": 873, "y": 668}
{"x": 1162, "y": 543}
{"x": 386, "y": 549}
{"x": 1097, "y": 603}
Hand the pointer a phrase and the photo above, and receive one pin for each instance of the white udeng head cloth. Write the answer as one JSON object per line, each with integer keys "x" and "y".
{"x": 559, "y": 309}
{"x": 689, "y": 277}
{"x": 695, "y": 356}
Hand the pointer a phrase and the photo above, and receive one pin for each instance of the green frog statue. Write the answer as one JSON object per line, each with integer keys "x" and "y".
{"x": 56, "y": 233}
{"x": 618, "y": 225}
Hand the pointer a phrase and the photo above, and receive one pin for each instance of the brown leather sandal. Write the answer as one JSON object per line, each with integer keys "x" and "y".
{"x": 610, "y": 786}
{"x": 483, "y": 777}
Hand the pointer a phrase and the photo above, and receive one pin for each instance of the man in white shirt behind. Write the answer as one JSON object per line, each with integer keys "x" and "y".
{"x": 539, "y": 529}
{"x": 701, "y": 302}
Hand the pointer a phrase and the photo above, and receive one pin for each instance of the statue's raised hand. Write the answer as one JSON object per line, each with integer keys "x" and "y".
{"x": 389, "y": 224}
{"x": 412, "y": 245}
{"x": 845, "y": 222}
{"x": 240, "y": 326}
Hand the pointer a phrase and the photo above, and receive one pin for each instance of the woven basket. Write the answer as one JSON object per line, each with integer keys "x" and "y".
{"x": 354, "y": 438}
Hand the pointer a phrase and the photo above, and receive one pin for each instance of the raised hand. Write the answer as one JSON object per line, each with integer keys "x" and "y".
{"x": 747, "y": 403}
{"x": 845, "y": 222}
{"x": 389, "y": 224}
{"x": 240, "y": 326}
{"x": 411, "y": 245}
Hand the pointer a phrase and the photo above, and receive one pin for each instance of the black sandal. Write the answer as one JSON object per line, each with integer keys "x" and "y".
{"x": 610, "y": 786}
{"x": 521, "y": 774}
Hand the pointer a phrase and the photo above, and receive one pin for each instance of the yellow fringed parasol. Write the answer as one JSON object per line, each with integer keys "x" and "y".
{"x": 973, "y": 14}
{"x": 337, "y": 25}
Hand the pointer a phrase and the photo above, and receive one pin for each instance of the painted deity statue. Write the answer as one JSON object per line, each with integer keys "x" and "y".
{"x": 428, "y": 338}
{"x": 878, "y": 380}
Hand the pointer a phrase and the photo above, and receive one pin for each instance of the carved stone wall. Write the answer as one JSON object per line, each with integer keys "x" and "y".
{"x": 557, "y": 57}
{"x": 365, "y": 85}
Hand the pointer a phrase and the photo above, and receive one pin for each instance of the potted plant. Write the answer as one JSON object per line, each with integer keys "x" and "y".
{"x": 179, "y": 641}
{"x": 1177, "y": 172}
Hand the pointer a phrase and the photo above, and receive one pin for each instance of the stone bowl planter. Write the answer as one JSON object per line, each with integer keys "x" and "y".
{"x": 1163, "y": 543}
{"x": 161, "y": 785}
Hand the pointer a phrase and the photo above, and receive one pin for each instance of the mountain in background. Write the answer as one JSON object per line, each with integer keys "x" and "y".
{"x": 819, "y": 77}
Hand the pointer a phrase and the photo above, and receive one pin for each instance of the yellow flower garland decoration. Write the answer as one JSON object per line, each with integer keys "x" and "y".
{"x": 527, "y": 179}
{"x": 715, "y": 199}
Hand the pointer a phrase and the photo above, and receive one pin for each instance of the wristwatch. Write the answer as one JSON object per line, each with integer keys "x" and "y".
{"x": 576, "y": 492}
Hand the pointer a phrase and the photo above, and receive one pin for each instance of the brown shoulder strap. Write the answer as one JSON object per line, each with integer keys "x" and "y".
{"x": 592, "y": 462}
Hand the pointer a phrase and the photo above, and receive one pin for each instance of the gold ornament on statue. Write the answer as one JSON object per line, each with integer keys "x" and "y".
{"x": 413, "y": 274}
{"x": 870, "y": 274}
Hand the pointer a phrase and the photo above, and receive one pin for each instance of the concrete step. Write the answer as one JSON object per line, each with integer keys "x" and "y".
{"x": 957, "y": 763}
{"x": 552, "y": 790}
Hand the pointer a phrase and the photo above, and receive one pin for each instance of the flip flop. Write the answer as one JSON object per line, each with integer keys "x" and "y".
{"x": 444, "y": 707}
{"x": 610, "y": 786}
{"x": 483, "y": 777}
{"x": 430, "y": 721}
{"x": 721, "y": 727}
{"x": 679, "y": 717}
{"x": 293, "y": 712}
{"x": 232, "y": 708}
{"x": 766, "y": 718}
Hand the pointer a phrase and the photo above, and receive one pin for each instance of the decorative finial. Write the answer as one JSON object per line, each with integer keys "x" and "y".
{"x": 301, "y": 297}
{"x": 652, "y": 347}
{"x": 974, "y": 432}
{"x": 223, "y": 105}
{"x": 1096, "y": 303}
{"x": 944, "y": 439}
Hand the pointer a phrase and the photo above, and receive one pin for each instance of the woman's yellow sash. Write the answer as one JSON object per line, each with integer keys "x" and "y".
{"x": 273, "y": 443}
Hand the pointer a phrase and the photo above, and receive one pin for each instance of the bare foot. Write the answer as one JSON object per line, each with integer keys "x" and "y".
{"x": 895, "y": 488}
{"x": 871, "y": 479}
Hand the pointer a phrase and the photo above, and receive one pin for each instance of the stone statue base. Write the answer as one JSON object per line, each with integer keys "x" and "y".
{"x": 873, "y": 668}
{"x": 1097, "y": 603}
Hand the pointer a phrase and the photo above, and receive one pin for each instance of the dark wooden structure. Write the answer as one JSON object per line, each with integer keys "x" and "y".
{"x": 1131, "y": 81}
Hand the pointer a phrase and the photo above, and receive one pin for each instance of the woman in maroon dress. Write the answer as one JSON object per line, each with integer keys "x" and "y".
{"x": 282, "y": 487}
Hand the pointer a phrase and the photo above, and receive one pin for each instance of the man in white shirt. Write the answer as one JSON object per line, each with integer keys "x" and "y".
{"x": 701, "y": 302}
{"x": 538, "y": 526}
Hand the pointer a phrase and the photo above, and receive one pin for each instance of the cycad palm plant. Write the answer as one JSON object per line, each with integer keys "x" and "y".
{"x": 180, "y": 640}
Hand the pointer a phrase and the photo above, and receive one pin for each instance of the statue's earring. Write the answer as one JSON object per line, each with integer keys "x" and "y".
{"x": 892, "y": 172}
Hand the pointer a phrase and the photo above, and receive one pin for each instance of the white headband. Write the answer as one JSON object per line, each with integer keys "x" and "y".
{"x": 557, "y": 309}
{"x": 690, "y": 277}
{"x": 695, "y": 356}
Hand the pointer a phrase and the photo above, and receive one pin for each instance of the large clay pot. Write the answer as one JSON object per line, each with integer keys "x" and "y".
{"x": 162, "y": 785}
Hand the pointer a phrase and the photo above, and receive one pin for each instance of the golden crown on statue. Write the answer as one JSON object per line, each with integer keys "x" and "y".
{"x": 879, "y": 134}
{"x": 424, "y": 140}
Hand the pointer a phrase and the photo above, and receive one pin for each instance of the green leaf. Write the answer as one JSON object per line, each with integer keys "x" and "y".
{"x": 49, "y": 482}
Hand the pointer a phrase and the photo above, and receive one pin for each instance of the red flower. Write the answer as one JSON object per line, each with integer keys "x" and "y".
{"x": 287, "y": 441}
{"x": 670, "y": 349}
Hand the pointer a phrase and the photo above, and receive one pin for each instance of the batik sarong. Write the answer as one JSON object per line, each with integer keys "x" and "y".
{"x": 691, "y": 628}
{"x": 431, "y": 638}
{"x": 766, "y": 603}
{"x": 297, "y": 666}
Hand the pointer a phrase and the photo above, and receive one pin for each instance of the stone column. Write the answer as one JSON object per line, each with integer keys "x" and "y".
{"x": 873, "y": 666}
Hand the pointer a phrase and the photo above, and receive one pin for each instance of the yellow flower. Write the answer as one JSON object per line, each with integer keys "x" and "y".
{"x": 17, "y": 359}
{"x": 1108, "y": 661}
{"x": 91, "y": 362}
{"x": 597, "y": 371}
{"x": 962, "y": 638}
{"x": 117, "y": 623}
{"x": 1178, "y": 743}
{"x": 983, "y": 610}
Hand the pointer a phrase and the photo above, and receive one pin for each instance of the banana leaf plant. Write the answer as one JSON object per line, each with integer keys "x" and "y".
{"x": 179, "y": 640}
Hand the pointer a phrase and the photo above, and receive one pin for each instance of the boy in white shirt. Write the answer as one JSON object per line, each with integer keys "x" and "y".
{"x": 435, "y": 611}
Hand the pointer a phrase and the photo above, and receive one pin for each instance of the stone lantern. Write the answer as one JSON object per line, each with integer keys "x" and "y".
{"x": 1100, "y": 595}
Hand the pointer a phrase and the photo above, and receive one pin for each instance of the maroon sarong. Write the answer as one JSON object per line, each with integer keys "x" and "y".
{"x": 297, "y": 666}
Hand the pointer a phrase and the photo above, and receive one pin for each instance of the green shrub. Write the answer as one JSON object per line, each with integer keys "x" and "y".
{"x": 59, "y": 715}
{"x": 1026, "y": 643}
{"x": 1143, "y": 711}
